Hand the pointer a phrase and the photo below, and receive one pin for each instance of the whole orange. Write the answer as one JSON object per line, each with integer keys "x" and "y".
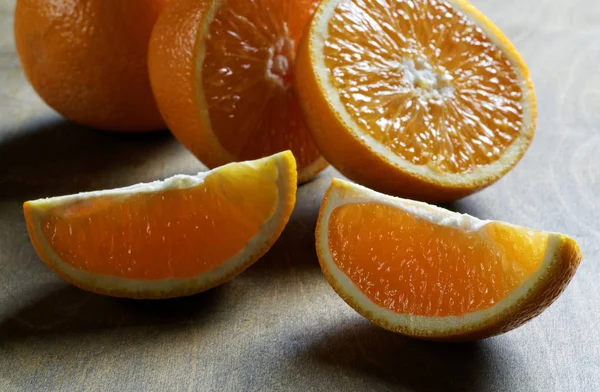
{"x": 88, "y": 59}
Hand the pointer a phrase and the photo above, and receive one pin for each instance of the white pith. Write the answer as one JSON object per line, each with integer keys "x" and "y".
{"x": 343, "y": 192}
{"x": 158, "y": 288}
{"x": 281, "y": 56}
{"x": 431, "y": 86}
{"x": 318, "y": 36}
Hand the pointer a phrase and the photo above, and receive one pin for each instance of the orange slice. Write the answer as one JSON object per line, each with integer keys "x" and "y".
{"x": 169, "y": 238}
{"x": 423, "y": 271}
{"x": 424, "y": 99}
{"x": 222, "y": 73}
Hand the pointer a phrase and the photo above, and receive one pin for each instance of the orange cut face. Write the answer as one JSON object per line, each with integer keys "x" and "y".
{"x": 412, "y": 266}
{"x": 178, "y": 233}
{"x": 247, "y": 78}
{"x": 425, "y": 81}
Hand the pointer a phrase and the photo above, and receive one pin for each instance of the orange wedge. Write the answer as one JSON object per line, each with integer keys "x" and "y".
{"x": 424, "y": 99}
{"x": 423, "y": 271}
{"x": 169, "y": 238}
{"x": 222, "y": 73}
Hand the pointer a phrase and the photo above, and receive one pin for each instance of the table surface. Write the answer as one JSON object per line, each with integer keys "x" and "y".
{"x": 279, "y": 326}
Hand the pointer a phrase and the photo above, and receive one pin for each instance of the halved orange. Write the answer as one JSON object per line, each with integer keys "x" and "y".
{"x": 423, "y": 99}
{"x": 222, "y": 72}
{"x": 169, "y": 238}
{"x": 427, "y": 272}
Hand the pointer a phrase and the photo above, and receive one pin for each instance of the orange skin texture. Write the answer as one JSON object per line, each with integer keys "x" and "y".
{"x": 358, "y": 161}
{"x": 173, "y": 50}
{"x": 87, "y": 59}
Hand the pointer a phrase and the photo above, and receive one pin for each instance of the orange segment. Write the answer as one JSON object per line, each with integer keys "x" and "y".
{"x": 409, "y": 265}
{"x": 171, "y": 226}
{"x": 425, "y": 98}
{"x": 428, "y": 272}
{"x": 185, "y": 229}
{"x": 239, "y": 59}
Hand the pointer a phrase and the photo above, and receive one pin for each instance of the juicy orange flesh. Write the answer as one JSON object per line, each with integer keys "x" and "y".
{"x": 178, "y": 233}
{"x": 422, "y": 79}
{"x": 247, "y": 78}
{"x": 412, "y": 266}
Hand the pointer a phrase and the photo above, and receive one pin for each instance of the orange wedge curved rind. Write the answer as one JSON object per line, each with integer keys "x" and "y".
{"x": 414, "y": 294}
{"x": 406, "y": 107}
{"x": 169, "y": 238}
